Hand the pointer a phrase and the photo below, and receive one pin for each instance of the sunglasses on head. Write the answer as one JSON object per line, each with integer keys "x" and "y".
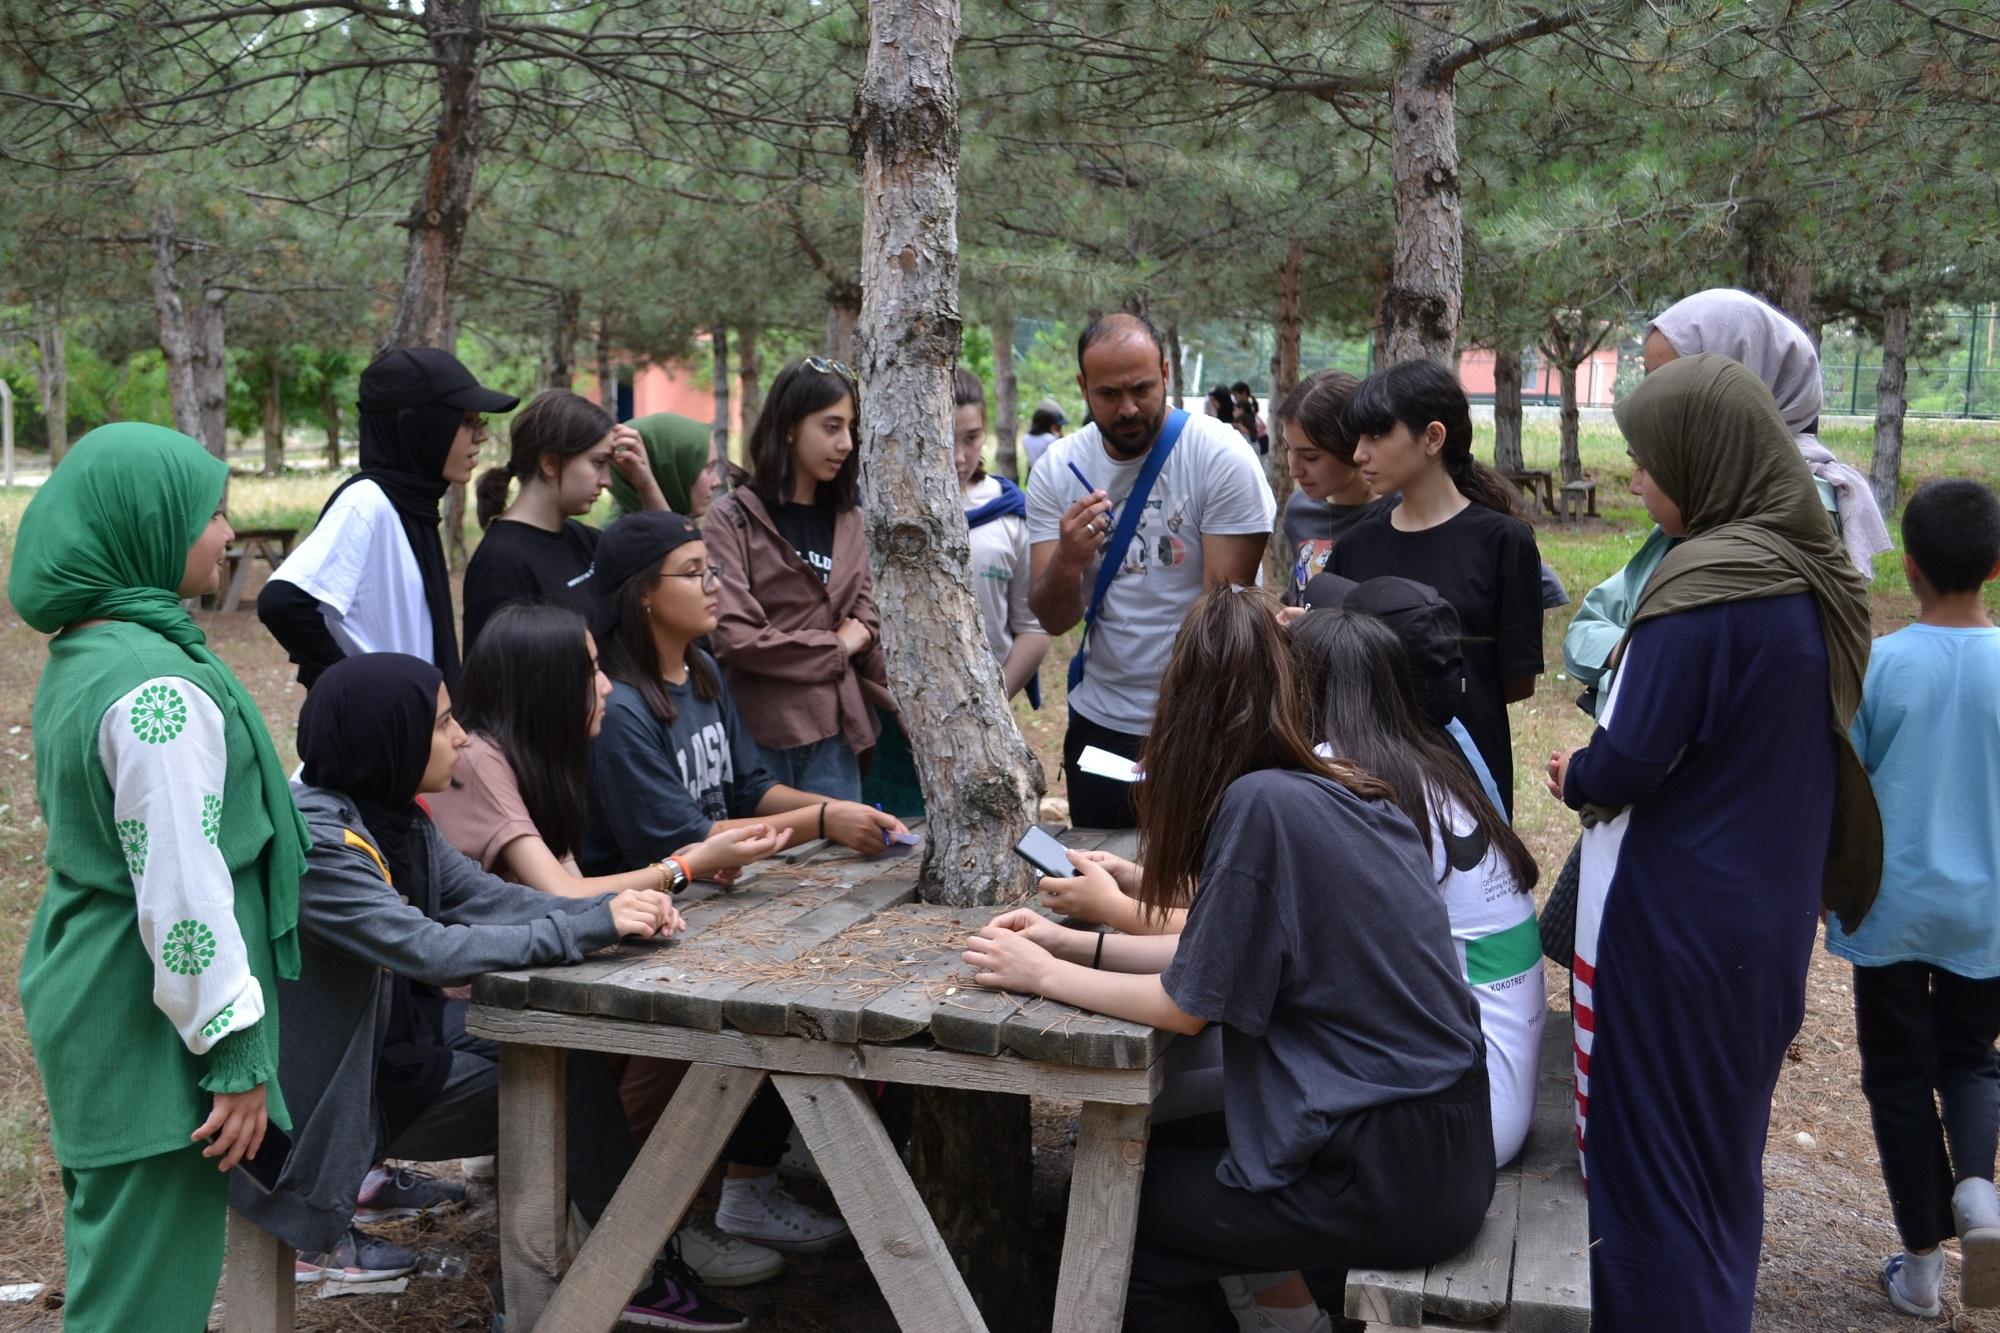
{"x": 825, "y": 366}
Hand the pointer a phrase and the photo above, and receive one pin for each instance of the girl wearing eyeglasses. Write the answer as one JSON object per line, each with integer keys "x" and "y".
{"x": 796, "y": 627}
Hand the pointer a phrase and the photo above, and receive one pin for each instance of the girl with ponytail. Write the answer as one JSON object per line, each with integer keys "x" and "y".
{"x": 563, "y": 450}
{"x": 1457, "y": 526}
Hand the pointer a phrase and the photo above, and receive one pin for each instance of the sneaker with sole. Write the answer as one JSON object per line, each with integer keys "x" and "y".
{"x": 758, "y": 1209}
{"x": 1903, "y": 1291}
{"x": 673, "y": 1299}
{"x": 1975, "y": 1211}
{"x": 721, "y": 1260}
{"x": 358, "y": 1257}
{"x": 388, "y": 1196}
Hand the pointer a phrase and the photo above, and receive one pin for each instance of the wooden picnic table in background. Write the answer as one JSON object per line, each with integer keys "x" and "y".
{"x": 821, "y": 973}
{"x": 271, "y": 545}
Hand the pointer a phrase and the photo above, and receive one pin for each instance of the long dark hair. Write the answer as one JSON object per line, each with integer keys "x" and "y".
{"x": 1358, "y": 691}
{"x": 797, "y": 393}
{"x": 556, "y": 423}
{"x": 1417, "y": 393}
{"x": 1229, "y": 705}
{"x": 1318, "y": 405}
{"x": 632, "y": 657}
{"x": 529, "y": 658}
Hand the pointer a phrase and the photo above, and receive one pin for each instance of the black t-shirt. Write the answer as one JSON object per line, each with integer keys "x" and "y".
{"x": 809, "y": 528}
{"x": 1311, "y": 528}
{"x": 1485, "y": 564}
{"x": 1320, "y": 943}
{"x": 519, "y": 562}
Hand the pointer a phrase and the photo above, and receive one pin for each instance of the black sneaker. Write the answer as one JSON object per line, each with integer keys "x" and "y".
{"x": 673, "y": 1299}
{"x": 358, "y": 1257}
{"x": 405, "y": 1193}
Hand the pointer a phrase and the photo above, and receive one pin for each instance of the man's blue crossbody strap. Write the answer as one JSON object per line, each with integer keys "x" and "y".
{"x": 1121, "y": 536}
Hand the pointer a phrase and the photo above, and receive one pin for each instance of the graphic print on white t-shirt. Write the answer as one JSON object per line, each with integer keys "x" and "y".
{"x": 358, "y": 565}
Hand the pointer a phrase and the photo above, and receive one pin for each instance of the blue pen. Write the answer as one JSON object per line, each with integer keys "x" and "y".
{"x": 1077, "y": 472}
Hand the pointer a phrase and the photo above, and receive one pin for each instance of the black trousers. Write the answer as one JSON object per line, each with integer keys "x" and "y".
{"x": 1397, "y": 1186}
{"x": 1926, "y": 1041}
{"x": 1096, "y": 802}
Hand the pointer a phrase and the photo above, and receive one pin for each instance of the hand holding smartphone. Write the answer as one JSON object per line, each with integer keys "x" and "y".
{"x": 1045, "y": 854}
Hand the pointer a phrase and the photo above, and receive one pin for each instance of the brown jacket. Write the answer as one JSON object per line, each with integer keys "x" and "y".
{"x": 775, "y": 623}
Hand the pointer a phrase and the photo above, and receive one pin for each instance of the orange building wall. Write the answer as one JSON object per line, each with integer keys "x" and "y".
{"x": 1594, "y": 378}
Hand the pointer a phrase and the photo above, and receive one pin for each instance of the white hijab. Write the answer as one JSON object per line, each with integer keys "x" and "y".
{"x": 1777, "y": 351}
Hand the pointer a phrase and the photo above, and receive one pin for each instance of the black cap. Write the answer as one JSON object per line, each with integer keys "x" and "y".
{"x": 1426, "y": 623}
{"x": 632, "y": 545}
{"x": 413, "y": 376}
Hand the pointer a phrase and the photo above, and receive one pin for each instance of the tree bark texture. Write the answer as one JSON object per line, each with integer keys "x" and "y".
{"x": 1570, "y": 461}
{"x": 718, "y": 350}
{"x": 444, "y": 204}
{"x": 749, "y": 382}
{"x": 1284, "y": 378}
{"x": 955, "y": 1138}
{"x": 559, "y": 365}
{"x": 1426, "y": 284}
{"x": 1507, "y": 454}
{"x": 211, "y": 369}
{"x": 52, "y": 380}
{"x": 1885, "y": 472}
{"x": 175, "y": 345}
{"x": 274, "y": 420}
{"x": 607, "y": 378}
{"x": 1006, "y": 400}
{"x": 329, "y": 411}
{"x": 843, "y": 316}
{"x": 1177, "y": 372}
{"x": 980, "y": 781}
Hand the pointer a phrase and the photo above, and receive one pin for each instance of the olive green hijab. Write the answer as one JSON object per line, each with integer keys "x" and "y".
{"x": 1712, "y": 437}
{"x": 677, "y": 447}
{"x": 107, "y": 537}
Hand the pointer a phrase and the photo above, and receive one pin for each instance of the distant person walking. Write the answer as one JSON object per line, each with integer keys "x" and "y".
{"x": 1044, "y": 429}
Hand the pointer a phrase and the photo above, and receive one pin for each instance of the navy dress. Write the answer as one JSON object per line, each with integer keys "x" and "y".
{"x": 1695, "y": 923}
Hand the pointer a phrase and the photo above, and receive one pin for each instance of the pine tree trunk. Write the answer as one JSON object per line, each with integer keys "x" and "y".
{"x": 718, "y": 350}
{"x": 749, "y": 387}
{"x": 1885, "y": 472}
{"x": 1507, "y": 455}
{"x": 979, "y": 779}
{"x": 329, "y": 411}
{"x": 52, "y": 380}
{"x": 1426, "y": 284}
{"x": 444, "y": 204}
{"x": 1006, "y": 400}
{"x": 843, "y": 315}
{"x": 1284, "y": 378}
{"x": 1571, "y": 461}
{"x": 175, "y": 344}
{"x": 211, "y": 369}
{"x": 955, "y": 1137}
{"x": 559, "y": 364}
{"x": 1176, "y": 370}
{"x": 274, "y": 421}
{"x": 607, "y": 379}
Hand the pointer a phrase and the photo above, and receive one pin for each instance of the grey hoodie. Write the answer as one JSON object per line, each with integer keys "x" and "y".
{"x": 355, "y": 931}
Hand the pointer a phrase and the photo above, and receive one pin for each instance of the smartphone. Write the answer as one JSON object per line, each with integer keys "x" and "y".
{"x": 1045, "y": 854}
{"x": 272, "y": 1157}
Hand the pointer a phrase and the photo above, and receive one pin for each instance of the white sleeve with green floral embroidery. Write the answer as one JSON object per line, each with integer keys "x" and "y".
{"x": 163, "y": 750}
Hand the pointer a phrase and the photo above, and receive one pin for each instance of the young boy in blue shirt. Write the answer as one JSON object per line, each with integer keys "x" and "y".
{"x": 1927, "y": 957}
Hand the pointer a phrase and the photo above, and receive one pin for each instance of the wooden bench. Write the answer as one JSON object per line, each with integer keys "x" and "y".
{"x": 1579, "y": 498}
{"x": 1536, "y": 485}
{"x": 1528, "y": 1270}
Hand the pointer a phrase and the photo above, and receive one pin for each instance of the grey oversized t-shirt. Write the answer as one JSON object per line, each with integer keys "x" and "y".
{"x": 1212, "y": 483}
{"x": 1319, "y": 942}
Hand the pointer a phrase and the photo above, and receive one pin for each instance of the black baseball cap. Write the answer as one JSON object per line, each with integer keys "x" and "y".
{"x": 413, "y": 376}
{"x": 634, "y": 544}
{"x": 1426, "y": 623}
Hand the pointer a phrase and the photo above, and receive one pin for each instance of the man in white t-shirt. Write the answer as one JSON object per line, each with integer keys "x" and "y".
{"x": 1205, "y": 524}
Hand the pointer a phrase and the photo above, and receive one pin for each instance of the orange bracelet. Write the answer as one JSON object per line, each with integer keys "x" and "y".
{"x": 687, "y": 876}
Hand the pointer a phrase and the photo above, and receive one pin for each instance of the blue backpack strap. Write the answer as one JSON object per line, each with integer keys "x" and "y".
{"x": 1121, "y": 536}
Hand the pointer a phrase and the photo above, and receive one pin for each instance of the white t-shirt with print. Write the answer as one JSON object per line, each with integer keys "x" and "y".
{"x": 358, "y": 564}
{"x": 1000, "y": 573}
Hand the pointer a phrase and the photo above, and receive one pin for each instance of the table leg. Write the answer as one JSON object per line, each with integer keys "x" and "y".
{"x": 1103, "y": 1218}
{"x": 534, "y": 1182}
{"x": 239, "y": 574}
{"x": 258, "y": 1282}
{"x": 662, "y": 1181}
{"x": 881, "y": 1205}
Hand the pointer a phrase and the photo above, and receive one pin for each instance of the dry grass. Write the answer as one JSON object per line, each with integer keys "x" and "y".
{"x": 1827, "y": 1227}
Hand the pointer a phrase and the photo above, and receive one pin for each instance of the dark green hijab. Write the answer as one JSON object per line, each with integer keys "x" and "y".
{"x": 678, "y": 449}
{"x": 1711, "y": 435}
{"x": 107, "y": 537}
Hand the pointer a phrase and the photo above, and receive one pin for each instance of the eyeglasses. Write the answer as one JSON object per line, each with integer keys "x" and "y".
{"x": 709, "y": 577}
{"x": 475, "y": 423}
{"x": 828, "y": 367}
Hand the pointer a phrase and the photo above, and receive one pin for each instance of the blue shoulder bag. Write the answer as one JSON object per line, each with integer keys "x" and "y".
{"x": 1121, "y": 536}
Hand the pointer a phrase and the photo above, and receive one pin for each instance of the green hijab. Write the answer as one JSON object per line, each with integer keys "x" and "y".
{"x": 678, "y": 448}
{"x": 1711, "y": 435}
{"x": 106, "y": 537}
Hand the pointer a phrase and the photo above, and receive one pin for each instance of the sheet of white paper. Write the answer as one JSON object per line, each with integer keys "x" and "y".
{"x": 1104, "y": 764}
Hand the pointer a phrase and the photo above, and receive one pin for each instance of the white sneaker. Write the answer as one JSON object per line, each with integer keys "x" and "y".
{"x": 798, "y": 1159}
{"x": 477, "y": 1168}
{"x": 726, "y": 1261}
{"x": 758, "y": 1209}
{"x": 1975, "y": 1211}
{"x": 1242, "y": 1305}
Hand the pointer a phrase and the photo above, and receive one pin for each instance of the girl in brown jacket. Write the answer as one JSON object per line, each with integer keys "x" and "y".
{"x": 797, "y": 633}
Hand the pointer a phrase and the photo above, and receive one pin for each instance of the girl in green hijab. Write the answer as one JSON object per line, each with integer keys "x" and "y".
{"x": 678, "y": 449}
{"x": 1729, "y": 804}
{"x": 174, "y": 855}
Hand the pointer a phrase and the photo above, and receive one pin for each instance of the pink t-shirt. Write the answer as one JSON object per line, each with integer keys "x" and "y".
{"x": 482, "y": 810}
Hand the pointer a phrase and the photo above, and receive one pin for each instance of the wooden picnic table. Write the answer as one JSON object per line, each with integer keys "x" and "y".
{"x": 822, "y": 974}
{"x": 1536, "y": 485}
{"x": 271, "y": 545}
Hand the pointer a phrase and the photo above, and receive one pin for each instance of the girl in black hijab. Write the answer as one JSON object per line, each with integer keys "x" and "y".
{"x": 371, "y": 577}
